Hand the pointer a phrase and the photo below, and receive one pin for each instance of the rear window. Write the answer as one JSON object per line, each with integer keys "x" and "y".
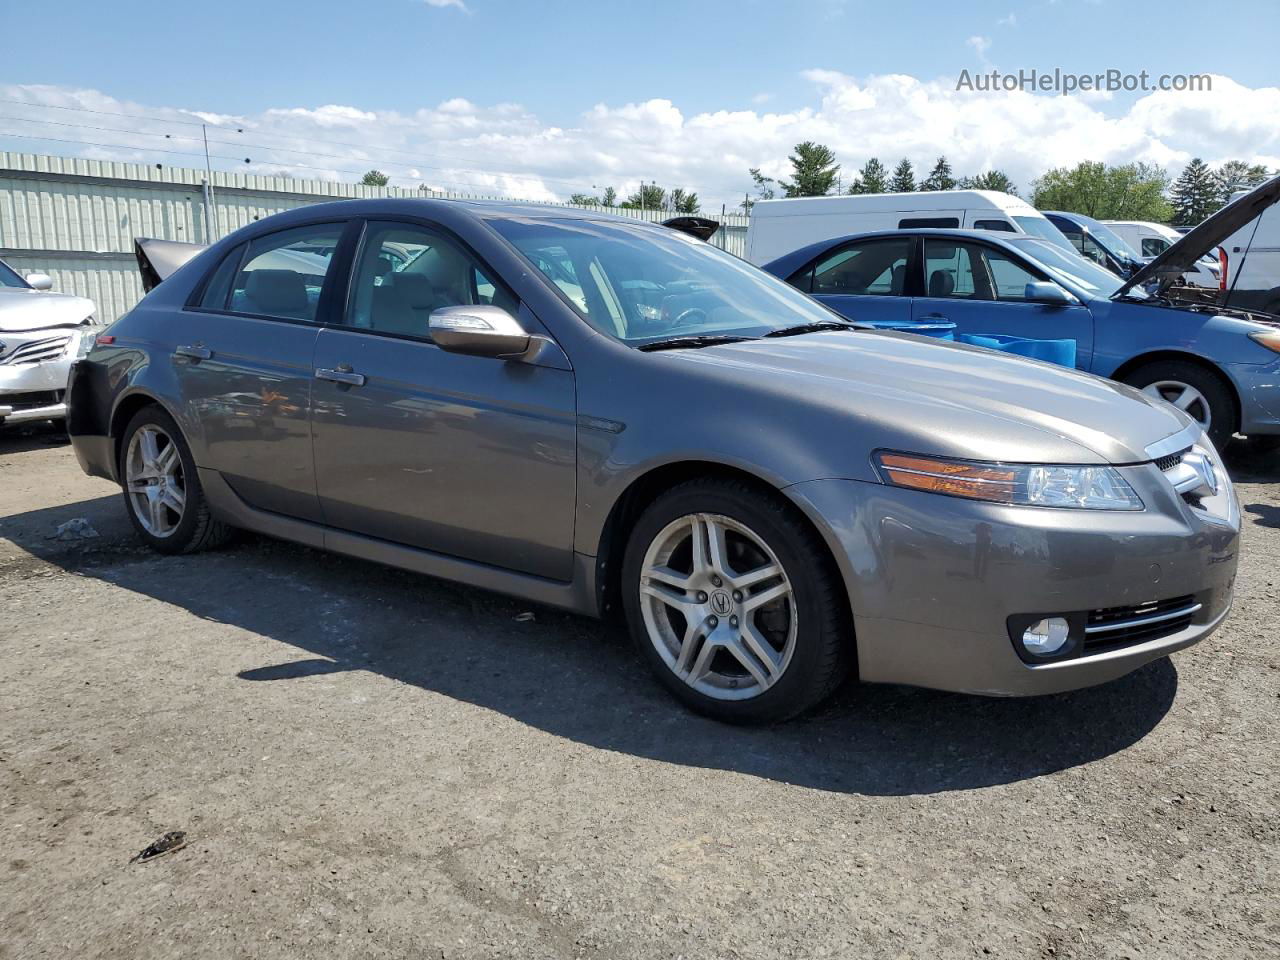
{"x": 284, "y": 272}
{"x": 218, "y": 288}
{"x": 1004, "y": 225}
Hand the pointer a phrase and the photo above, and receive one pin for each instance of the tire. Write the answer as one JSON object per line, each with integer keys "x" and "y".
{"x": 805, "y": 626}
{"x": 1166, "y": 378}
{"x": 187, "y": 530}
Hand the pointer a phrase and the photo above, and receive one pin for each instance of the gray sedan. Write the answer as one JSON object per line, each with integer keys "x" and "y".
{"x": 614, "y": 418}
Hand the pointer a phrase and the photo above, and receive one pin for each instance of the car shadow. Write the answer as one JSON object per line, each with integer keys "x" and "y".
{"x": 580, "y": 679}
{"x": 1252, "y": 461}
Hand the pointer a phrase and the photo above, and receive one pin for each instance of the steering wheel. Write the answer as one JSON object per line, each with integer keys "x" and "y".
{"x": 691, "y": 315}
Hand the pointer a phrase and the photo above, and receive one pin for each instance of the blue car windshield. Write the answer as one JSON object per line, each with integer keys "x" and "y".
{"x": 641, "y": 283}
{"x": 1109, "y": 239}
{"x": 1084, "y": 275}
{"x": 8, "y": 278}
{"x": 1040, "y": 228}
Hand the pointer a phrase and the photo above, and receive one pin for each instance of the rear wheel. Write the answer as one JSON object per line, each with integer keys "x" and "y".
{"x": 1201, "y": 394}
{"x": 734, "y": 603}
{"x": 162, "y": 488}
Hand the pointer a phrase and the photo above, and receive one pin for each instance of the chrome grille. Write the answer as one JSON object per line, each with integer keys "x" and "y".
{"x": 37, "y": 351}
{"x": 1171, "y": 461}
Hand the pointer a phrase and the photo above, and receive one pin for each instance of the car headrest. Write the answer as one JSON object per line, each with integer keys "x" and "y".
{"x": 416, "y": 291}
{"x": 898, "y": 280}
{"x": 277, "y": 290}
{"x": 941, "y": 283}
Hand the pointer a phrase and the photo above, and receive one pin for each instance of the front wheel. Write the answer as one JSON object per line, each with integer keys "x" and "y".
{"x": 734, "y": 603}
{"x": 1201, "y": 394}
{"x": 162, "y": 488}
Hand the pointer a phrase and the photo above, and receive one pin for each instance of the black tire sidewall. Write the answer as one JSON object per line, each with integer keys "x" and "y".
{"x": 182, "y": 537}
{"x": 807, "y": 677}
{"x": 1215, "y": 391}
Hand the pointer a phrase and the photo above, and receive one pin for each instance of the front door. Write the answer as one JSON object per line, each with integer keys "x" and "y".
{"x": 472, "y": 457}
{"x": 243, "y": 365}
{"x": 982, "y": 290}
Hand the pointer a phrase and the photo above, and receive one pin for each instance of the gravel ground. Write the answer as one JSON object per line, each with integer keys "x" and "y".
{"x": 373, "y": 764}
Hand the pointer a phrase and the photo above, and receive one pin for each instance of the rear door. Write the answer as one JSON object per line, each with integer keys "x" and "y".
{"x": 243, "y": 366}
{"x": 982, "y": 290}
{"x": 473, "y": 457}
{"x": 863, "y": 280}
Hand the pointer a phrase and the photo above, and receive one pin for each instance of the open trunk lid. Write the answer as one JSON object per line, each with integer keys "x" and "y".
{"x": 158, "y": 259}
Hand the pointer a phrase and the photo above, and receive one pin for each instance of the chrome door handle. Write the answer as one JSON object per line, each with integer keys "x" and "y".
{"x": 196, "y": 352}
{"x": 342, "y": 374}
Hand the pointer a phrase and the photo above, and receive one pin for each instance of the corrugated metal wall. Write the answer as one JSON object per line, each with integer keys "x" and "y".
{"x": 75, "y": 218}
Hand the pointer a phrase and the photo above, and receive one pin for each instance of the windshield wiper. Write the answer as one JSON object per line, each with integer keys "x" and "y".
{"x": 679, "y": 343}
{"x": 814, "y": 327}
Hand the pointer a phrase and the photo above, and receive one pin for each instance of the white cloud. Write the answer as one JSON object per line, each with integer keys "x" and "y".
{"x": 448, "y": 3}
{"x": 1010, "y": 21}
{"x": 505, "y": 149}
{"x": 980, "y": 46}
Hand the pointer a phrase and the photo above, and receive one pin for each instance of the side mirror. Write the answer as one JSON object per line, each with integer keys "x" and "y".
{"x": 480, "y": 330}
{"x": 41, "y": 281}
{"x": 1047, "y": 292}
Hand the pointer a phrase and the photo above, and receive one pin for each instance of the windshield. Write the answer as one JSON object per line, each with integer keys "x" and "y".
{"x": 1108, "y": 237}
{"x": 1083, "y": 274}
{"x": 1042, "y": 229}
{"x": 10, "y": 279}
{"x": 642, "y": 284}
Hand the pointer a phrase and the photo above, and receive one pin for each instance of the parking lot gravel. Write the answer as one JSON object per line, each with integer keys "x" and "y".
{"x": 369, "y": 763}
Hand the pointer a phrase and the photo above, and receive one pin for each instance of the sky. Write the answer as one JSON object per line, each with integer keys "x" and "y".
{"x": 542, "y": 100}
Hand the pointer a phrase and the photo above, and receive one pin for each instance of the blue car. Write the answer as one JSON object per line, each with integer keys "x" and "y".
{"x": 1188, "y": 345}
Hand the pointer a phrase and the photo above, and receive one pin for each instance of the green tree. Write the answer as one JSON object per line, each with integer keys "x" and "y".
{"x": 813, "y": 171}
{"x": 609, "y": 198}
{"x": 650, "y": 196}
{"x": 904, "y": 177}
{"x": 996, "y": 180}
{"x": 872, "y": 178}
{"x": 1130, "y": 191}
{"x": 940, "y": 177}
{"x": 584, "y": 199}
{"x": 1238, "y": 175}
{"x": 375, "y": 178}
{"x": 1195, "y": 194}
{"x": 682, "y": 202}
{"x": 764, "y": 188}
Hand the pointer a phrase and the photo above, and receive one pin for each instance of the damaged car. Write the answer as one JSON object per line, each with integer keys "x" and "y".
{"x": 41, "y": 333}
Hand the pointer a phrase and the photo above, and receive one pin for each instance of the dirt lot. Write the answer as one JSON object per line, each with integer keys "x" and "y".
{"x": 373, "y": 764}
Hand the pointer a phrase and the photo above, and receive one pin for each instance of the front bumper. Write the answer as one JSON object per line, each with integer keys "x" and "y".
{"x": 34, "y": 391}
{"x": 1258, "y": 386}
{"x": 933, "y": 580}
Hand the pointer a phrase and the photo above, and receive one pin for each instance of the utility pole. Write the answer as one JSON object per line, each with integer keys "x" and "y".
{"x": 208, "y": 189}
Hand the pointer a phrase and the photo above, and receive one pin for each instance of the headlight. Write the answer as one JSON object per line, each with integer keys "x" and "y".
{"x": 1032, "y": 485}
{"x": 1268, "y": 338}
{"x": 88, "y": 333}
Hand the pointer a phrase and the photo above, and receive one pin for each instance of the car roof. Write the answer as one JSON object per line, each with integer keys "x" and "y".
{"x": 446, "y": 208}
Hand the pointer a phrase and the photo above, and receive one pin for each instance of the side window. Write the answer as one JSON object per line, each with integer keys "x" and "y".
{"x": 876, "y": 268}
{"x": 1003, "y": 225}
{"x": 219, "y": 285}
{"x": 1009, "y": 277}
{"x": 916, "y": 223}
{"x": 404, "y": 272}
{"x": 1154, "y": 246}
{"x": 284, "y": 272}
{"x": 955, "y": 270}
{"x": 1089, "y": 247}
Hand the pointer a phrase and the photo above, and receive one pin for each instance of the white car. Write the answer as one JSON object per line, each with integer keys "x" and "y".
{"x": 1152, "y": 239}
{"x": 778, "y": 227}
{"x": 41, "y": 334}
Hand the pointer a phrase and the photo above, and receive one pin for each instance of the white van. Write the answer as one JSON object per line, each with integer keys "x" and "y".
{"x": 778, "y": 227}
{"x": 1153, "y": 239}
{"x": 1251, "y": 258}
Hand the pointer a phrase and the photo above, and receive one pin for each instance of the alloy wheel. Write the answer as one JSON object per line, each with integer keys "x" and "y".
{"x": 1183, "y": 396}
{"x": 154, "y": 481}
{"x": 718, "y": 606}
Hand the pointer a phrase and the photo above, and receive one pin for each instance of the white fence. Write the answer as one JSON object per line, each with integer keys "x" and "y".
{"x": 75, "y": 219}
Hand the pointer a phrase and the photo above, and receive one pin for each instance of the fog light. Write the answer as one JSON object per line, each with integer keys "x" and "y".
{"x": 1047, "y": 637}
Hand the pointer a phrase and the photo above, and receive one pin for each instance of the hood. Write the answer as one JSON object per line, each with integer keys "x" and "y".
{"x": 159, "y": 259}
{"x": 1182, "y": 256}
{"x": 948, "y": 399}
{"x": 25, "y": 309}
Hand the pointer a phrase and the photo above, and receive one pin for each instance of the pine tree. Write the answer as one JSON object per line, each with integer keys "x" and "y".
{"x": 814, "y": 171}
{"x": 1238, "y": 175}
{"x": 872, "y": 178}
{"x": 904, "y": 178}
{"x": 940, "y": 177}
{"x": 1195, "y": 194}
{"x": 683, "y": 202}
{"x": 996, "y": 180}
